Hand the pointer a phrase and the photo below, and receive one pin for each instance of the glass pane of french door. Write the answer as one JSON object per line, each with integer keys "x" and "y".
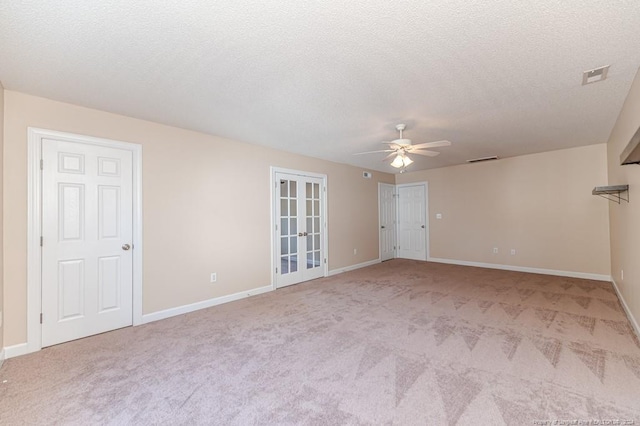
{"x": 288, "y": 226}
{"x": 314, "y": 231}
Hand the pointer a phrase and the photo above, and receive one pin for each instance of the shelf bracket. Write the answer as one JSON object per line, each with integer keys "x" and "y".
{"x": 612, "y": 193}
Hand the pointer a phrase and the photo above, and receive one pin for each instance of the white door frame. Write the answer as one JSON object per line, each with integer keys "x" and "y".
{"x": 34, "y": 225}
{"x": 426, "y": 206}
{"x": 275, "y": 258}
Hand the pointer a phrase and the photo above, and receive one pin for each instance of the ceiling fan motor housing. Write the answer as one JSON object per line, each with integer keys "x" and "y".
{"x": 402, "y": 142}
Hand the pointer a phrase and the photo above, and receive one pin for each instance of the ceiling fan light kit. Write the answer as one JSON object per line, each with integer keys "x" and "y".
{"x": 401, "y": 147}
{"x": 401, "y": 161}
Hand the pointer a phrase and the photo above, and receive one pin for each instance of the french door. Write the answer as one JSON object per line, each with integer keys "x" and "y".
{"x": 299, "y": 228}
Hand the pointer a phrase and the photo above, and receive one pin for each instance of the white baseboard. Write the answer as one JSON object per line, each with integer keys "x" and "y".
{"x": 16, "y": 350}
{"x": 584, "y": 275}
{"x": 352, "y": 267}
{"x": 632, "y": 319}
{"x": 23, "y": 349}
{"x": 1, "y": 357}
{"x": 179, "y": 310}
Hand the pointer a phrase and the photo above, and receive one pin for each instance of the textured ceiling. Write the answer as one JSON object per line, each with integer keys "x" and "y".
{"x": 330, "y": 78}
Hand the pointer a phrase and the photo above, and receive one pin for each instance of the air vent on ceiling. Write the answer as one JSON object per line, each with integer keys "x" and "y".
{"x": 478, "y": 160}
{"x": 595, "y": 75}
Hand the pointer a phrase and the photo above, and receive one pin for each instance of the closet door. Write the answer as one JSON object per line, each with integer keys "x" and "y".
{"x": 412, "y": 222}
{"x": 387, "y": 218}
{"x": 87, "y": 233}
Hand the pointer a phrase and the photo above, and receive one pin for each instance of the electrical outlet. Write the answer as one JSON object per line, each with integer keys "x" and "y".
{"x": 513, "y": 252}
{"x": 495, "y": 250}
{"x": 355, "y": 251}
{"x": 214, "y": 277}
{"x": 438, "y": 215}
{"x": 621, "y": 274}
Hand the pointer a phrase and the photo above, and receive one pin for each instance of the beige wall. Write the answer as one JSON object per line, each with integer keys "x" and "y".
{"x": 539, "y": 204}
{"x": 190, "y": 227}
{"x": 625, "y": 218}
{"x": 1, "y": 223}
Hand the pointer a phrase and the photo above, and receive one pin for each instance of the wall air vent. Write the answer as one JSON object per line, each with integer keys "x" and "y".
{"x": 595, "y": 75}
{"x": 478, "y": 160}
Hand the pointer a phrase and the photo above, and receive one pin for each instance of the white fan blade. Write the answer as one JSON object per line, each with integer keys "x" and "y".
{"x": 426, "y": 153}
{"x": 431, "y": 144}
{"x": 389, "y": 156}
{"x": 392, "y": 145}
{"x": 375, "y": 152}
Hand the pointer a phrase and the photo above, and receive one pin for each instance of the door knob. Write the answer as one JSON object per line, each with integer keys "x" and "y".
{"x": 300, "y": 234}
{"x": 382, "y": 227}
{"x": 126, "y": 247}
{"x": 422, "y": 226}
{"x": 305, "y": 234}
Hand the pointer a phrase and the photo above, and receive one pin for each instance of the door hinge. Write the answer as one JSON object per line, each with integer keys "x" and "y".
{"x": 325, "y": 260}
{"x": 41, "y": 241}
{"x": 40, "y": 318}
{"x": 41, "y": 164}
{"x": 276, "y": 270}
{"x": 276, "y": 227}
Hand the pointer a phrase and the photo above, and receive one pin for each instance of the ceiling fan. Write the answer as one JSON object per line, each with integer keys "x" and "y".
{"x": 399, "y": 148}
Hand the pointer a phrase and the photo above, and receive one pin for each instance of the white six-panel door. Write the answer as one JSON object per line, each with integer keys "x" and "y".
{"x": 387, "y": 221}
{"x": 299, "y": 236}
{"x": 412, "y": 222}
{"x": 87, "y": 240}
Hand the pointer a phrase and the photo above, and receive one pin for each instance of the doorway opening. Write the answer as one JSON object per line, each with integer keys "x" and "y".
{"x": 84, "y": 267}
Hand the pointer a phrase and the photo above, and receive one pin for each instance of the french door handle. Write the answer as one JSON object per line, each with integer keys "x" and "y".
{"x": 300, "y": 234}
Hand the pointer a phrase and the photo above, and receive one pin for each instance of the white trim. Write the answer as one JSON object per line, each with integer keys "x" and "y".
{"x": 325, "y": 235}
{"x": 275, "y": 170}
{"x": 427, "y": 233}
{"x": 179, "y": 310}
{"x": 379, "y": 224}
{"x": 584, "y": 275}
{"x": 353, "y": 267}
{"x": 34, "y": 231}
{"x": 632, "y": 319}
{"x": 1, "y": 357}
{"x": 34, "y": 252}
{"x": 16, "y": 350}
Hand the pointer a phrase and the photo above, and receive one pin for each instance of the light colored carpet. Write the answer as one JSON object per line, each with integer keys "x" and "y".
{"x": 401, "y": 342}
